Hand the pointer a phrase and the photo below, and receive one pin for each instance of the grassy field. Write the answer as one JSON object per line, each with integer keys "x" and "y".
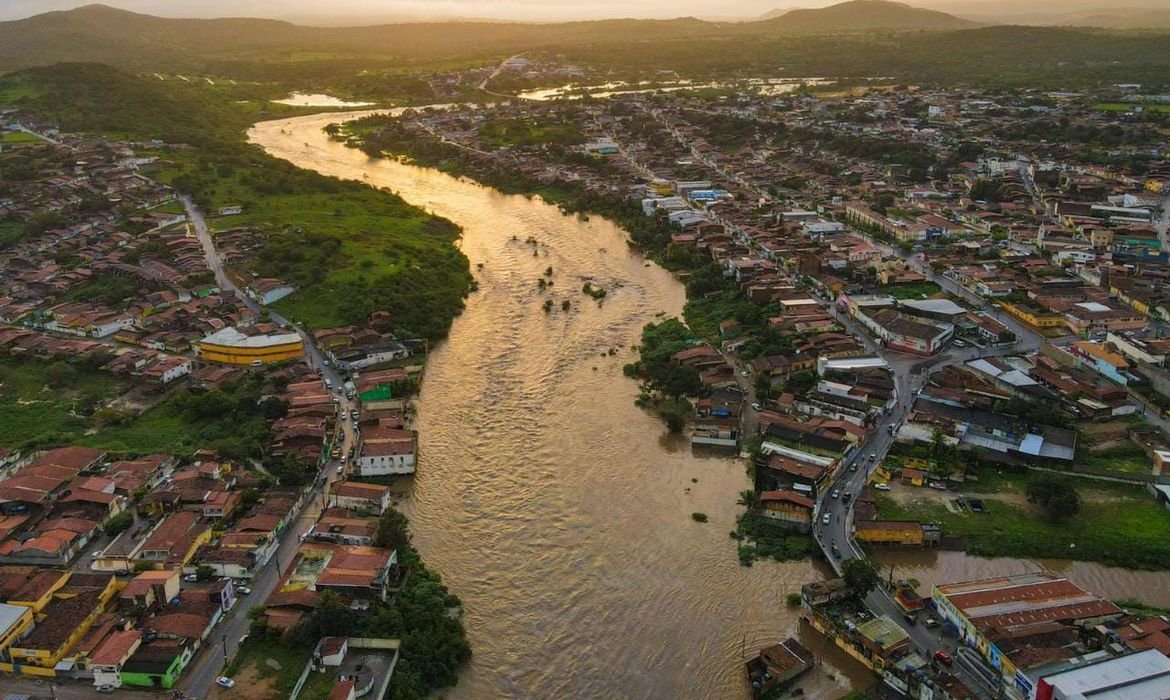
{"x": 14, "y": 138}
{"x": 158, "y": 429}
{"x": 11, "y": 233}
{"x": 348, "y": 248}
{"x": 515, "y": 132}
{"x": 912, "y": 291}
{"x": 1125, "y": 458}
{"x": 1118, "y": 525}
{"x": 1127, "y": 106}
{"x": 37, "y": 399}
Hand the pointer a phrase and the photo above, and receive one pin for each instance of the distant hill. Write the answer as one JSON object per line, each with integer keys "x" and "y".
{"x": 99, "y": 98}
{"x": 1114, "y": 19}
{"x": 98, "y": 33}
{"x": 865, "y": 16}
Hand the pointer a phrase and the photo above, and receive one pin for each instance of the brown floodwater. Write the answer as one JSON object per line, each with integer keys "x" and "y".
{"x": 561, "y": 513}
{"x": 558, "y": 511}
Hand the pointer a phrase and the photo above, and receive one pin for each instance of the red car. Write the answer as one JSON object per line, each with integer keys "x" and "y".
{"x": 942, "y": 657}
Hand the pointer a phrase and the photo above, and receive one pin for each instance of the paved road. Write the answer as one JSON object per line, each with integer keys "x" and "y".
{"x": 66, "y": 690}
{"x": 224, "y": 640}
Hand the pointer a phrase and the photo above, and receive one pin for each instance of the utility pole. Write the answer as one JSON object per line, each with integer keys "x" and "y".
{"x": 225, "y": 651}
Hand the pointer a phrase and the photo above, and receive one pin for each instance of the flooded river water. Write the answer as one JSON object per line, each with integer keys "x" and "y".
{"x": 558, "y": 511}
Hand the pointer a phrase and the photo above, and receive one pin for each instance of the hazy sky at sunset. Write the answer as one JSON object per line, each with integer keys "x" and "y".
{"x": 366, "y": 10}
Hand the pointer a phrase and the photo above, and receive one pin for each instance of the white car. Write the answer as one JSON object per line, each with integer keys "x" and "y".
{"x": 836, "y": 494}
{"x": 225, "y": 682}
{"x": 190, "y": 578}
{"x": 827, "y": 519}
{"x": 756, "y": 406}
{"x": 882, "y": 487}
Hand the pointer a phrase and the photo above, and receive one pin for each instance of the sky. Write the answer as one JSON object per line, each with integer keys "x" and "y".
{"x": 362, "y": 11}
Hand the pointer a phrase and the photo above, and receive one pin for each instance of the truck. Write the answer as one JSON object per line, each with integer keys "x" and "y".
{"x": 350, "y": 389}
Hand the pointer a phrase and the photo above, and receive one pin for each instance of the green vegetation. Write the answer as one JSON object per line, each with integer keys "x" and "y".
{"x": 49, "y": 403}
{"x": 118, "y": 524}
{"x": 1056, "y": 496}
{"x": 517, "y": 132}
{"x": 434, "y": 643}
{"x": 1128, "y": 457}
{"x": 232, "y": 420}
{"x": 861, "y": 576}
{"x": 110, "y": 289}
{"x": 654, "y": 367}
{"x": 1129, "y": 106}
{"x": 1117, "y": 525}
{"x": 792, "y": 600}
{"x": 912, "y": 291}
{"x": 763, "y": 538}
{"x": 699, "y": 517}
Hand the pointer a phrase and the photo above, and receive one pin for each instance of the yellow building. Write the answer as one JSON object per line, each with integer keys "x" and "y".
{"x": 232, "y": 347}
{"x": 38, "y": 591}
{"x": 889, "y": 533}
{"x": 15, "y": 620}
{"x": 1035, "y": 318}
{"x": 64, "y": 621}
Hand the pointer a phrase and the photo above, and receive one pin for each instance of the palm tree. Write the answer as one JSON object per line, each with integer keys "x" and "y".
{"x": 749, "y": 499}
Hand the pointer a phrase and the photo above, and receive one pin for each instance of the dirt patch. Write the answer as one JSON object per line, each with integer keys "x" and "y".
{"x": 903, "y": 495}
{"x": 908, "y": 494}
{"x": 249, "y": 684}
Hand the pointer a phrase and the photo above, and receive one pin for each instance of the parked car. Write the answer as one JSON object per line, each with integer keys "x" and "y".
{"x": 756, "y": 406}
{"x": 827, "y": 519}
{"x": 243, "y": 590}
{"x": 960, "y": 343}
{"x": 354, "y": 414}
{"x": 882, "y": 486}
{"x": 835, "y": 494}
{"x": 340, "y": 469}
{"x": 106, "y": 688}
{"x": 931, "y": 622}
{"x": 910, "y": 619}
{"x": 937, "y": 485}
{"x": 190, "y": 578}
{"x": 943, "y": 658}
{"x": 225, "y": 682}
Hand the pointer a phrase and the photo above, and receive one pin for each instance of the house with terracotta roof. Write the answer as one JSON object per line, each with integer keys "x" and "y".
{"x": 115, "y": 650}
{"x": 356, "y": 573}
{"x": 355, "y": 495}
{"x": 984, "y": 610}
{"x": 65, "y": 620}
{"x": 173, "y": 542}
{"x": 150, "y": 588}
{"x": 788, "y": 508}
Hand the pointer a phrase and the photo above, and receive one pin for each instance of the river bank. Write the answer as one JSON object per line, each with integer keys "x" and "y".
{"x": 543, "y": 495}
